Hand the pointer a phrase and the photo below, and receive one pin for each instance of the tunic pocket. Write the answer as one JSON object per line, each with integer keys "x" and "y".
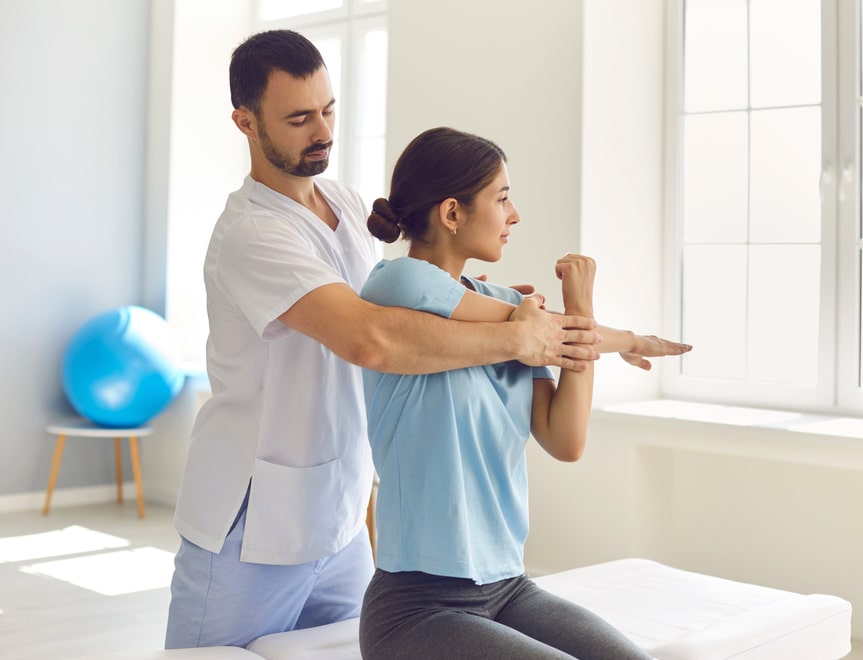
{"x": 295, "y": 514}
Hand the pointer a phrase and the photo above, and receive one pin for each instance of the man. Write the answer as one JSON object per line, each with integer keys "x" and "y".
{"x": 272, "y": 505}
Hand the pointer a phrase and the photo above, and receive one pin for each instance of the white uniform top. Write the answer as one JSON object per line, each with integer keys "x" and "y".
{"x": 285, "y": 413}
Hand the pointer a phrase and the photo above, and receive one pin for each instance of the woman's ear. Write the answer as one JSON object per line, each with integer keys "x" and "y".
{"x": 448, "y": 214}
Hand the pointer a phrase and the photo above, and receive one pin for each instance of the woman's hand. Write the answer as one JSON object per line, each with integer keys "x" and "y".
{"x": 646, "y": 346}
{"x": 577, "y": 273}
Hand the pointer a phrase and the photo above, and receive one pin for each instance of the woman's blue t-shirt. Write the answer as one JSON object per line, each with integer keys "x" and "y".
{"x": 448, "y": 447}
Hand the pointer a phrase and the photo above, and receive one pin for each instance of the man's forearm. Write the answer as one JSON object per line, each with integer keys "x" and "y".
{"x": 414, "y": 342}
{"x": 411, "y": 342}
{"x": 398, "y": 340}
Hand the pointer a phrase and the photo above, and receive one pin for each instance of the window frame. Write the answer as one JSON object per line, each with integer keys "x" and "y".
{"x": 838, "y": 388}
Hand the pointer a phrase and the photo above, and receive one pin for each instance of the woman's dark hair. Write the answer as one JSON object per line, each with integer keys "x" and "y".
{"x": 438, "y": 164}
{"x": 265, "y": 52}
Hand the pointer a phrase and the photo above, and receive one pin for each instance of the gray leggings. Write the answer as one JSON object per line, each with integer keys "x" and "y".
{"x": 414, "y": 615}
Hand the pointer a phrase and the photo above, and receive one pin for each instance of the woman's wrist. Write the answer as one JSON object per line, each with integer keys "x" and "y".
{"x": 579, "y": 310}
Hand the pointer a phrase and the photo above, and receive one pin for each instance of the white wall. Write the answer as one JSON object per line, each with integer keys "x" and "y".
{"x": 509, "y": 72}
{"x": 758, "y": 505}
{"x": 73, "y": 136}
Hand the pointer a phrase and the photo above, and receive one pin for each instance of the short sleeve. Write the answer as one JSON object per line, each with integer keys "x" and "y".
{"x": 415, "y": 284}
{"x": 267, "y": 267}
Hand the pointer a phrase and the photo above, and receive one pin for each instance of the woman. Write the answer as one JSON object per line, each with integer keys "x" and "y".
{"x": 450, "y": 447}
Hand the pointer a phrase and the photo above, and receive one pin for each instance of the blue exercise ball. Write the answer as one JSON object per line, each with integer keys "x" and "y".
{"x": 122, "y": 367}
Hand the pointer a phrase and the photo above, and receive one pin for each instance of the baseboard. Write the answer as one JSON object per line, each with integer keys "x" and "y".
{"x": 159, "y": 494}
{"x": 65, "y": 497}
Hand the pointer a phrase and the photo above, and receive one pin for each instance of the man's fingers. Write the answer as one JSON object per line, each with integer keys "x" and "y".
{"x": 580, "y": 352}
{"x": 567, "y": 363}
{"x": 576, "y": 322}
{"x": 584, "y": 337}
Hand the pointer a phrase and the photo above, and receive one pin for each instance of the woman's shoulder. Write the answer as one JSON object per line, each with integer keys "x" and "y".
{"x": 404, "y": 266}
{"x": 414, "y": 283}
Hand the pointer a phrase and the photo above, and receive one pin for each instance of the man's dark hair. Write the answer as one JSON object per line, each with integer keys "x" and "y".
{"x": 265, "y": 52}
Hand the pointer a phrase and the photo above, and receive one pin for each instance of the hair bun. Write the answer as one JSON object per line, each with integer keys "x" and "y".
{"x": 383, "y": 223}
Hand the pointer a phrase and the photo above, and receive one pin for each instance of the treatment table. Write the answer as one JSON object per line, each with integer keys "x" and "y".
{"x": 671, "y": 613}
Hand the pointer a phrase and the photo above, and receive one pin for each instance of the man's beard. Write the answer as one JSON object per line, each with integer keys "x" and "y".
{"x": 284, "y": 162}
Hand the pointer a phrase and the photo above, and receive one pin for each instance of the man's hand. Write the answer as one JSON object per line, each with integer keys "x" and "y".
{"x": 652, "y": 346}
{"x": 555, "y": 339}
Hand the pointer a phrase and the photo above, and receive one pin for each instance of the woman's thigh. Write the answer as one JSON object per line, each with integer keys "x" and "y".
{"x": 564, "y": 625}
{"x": 423, "y": 617}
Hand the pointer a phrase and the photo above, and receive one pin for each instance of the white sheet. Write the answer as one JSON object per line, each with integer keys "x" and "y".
{"x": 672, "y": 614}
{"x": 675, "y": 614}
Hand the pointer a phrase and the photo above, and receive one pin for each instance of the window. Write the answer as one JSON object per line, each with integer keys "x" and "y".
{"x": 764, "y": 203}
{"x": 352, "y": 37}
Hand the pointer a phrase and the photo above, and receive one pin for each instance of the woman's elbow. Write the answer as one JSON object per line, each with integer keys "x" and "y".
{"x": 567, "y": 449}
{"x": 571, "y": 452}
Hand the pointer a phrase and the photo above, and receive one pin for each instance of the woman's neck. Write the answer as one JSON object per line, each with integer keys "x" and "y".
{"x": 443, "y": 259}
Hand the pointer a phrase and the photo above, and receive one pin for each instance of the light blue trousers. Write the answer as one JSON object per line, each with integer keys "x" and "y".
{"x": 218, "y": 600}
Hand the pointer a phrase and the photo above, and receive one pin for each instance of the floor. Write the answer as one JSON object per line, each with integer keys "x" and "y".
{"x": 90, "y": 580}
{"x": 84, "y": 580}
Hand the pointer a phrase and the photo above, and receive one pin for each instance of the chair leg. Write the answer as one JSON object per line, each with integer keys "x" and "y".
{"x": 118, "y": 465}
{"x": 55, "y": 469}
{"x": 136, "y": 471}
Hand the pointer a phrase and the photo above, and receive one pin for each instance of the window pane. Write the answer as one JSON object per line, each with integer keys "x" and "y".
{"x": 371, "y": 120}
{"x": 715, "y": 178}
{"x": 785, "y": 56}
{"x": 331, "y": 51}
{"x": 786, "y": 167}
{"x": 373, "y": 84}
{"x": 371, "y": 183}
{"x": 273, "y": 10}
{"x": 715, "y": 61}
{"x": 714, "y": 310}
{"x": 784, "y": 313}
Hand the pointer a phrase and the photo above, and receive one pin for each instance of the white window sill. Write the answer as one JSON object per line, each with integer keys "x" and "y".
{"x": 758, "y": 433}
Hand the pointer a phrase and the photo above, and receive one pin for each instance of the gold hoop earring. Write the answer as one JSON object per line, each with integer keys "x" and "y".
{"x": 452, "y": 231}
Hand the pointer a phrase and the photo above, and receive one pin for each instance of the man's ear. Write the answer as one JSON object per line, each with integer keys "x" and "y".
{"x": 449, "y": 211}
{"x": 246, "y": 121}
